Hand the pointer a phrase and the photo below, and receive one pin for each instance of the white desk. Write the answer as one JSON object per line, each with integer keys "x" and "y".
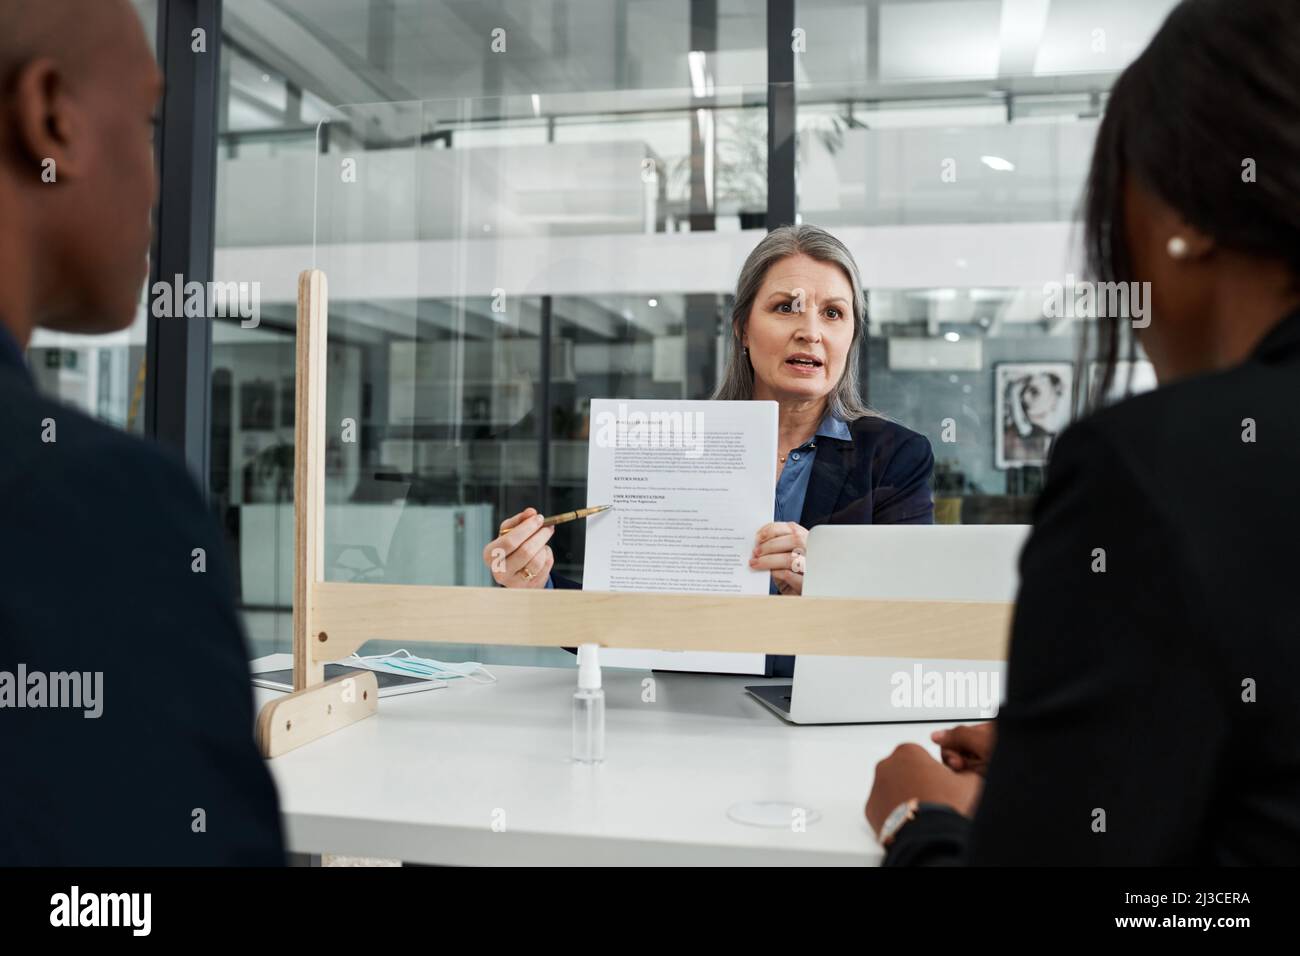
{"x": 425, "y": 780}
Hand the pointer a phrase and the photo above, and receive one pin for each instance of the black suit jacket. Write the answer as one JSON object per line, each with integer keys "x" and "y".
{"x": 99, "y": 531}
{"x": 1153, "y": 711}
{"x": 880, "y": 476}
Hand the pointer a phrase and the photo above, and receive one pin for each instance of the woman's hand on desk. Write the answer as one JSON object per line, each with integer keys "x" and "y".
{"x": 911, "y": 773}
{"x": 519, "y": 557}
{"x": 968, "y": 746}
{"x": 780, "y": 547}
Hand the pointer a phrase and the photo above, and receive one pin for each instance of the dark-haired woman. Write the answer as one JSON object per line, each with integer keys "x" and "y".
{"x": 1153, "y": 710}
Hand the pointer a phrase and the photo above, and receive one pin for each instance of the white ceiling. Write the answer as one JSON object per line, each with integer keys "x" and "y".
{"x": 352, "y": 51}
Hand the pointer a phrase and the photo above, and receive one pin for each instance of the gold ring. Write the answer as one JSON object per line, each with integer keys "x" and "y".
{"x": 528, "y": 575}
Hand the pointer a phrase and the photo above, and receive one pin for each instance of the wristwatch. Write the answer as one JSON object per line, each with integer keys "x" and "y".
{"x": 900, "y": 816}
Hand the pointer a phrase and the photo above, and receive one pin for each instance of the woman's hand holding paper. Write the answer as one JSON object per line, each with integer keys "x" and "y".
{"x": 780, "y": 547}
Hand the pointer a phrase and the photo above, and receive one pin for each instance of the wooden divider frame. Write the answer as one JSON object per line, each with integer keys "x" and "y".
{"x": 332, "y": 620}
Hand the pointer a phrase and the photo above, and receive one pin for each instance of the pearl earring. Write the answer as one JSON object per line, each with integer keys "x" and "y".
{"x": 1177, "y": 247}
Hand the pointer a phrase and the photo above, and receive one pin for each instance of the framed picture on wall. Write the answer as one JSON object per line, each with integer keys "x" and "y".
{"x": 1032, "y": 404}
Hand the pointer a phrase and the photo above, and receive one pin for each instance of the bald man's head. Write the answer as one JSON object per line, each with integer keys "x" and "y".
{"x": 78, "y": 90}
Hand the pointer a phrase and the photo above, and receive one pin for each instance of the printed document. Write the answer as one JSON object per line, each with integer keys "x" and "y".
{"x": 691, "y": 483}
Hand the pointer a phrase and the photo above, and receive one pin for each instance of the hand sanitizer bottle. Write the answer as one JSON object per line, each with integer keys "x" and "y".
{"x": 588, "y": 709}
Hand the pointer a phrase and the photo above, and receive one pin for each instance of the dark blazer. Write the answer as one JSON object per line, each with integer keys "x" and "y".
{"x": 98, "y": 530}
{"x": 1160, "y": 692}
{"x": 881, "y": 476}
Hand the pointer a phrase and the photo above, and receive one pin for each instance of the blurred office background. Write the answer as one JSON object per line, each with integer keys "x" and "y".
{"x": 525, "y": 204}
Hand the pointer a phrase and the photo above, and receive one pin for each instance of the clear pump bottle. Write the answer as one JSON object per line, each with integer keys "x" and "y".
{"x": 588, "y": 709}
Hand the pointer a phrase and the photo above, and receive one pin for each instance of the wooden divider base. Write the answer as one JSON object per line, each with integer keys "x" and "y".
{"x": 307, "y": 715}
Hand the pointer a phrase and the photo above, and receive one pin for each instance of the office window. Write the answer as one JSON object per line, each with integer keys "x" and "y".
{"x": 103, "y": 375}
{"x": 947, "y": 142}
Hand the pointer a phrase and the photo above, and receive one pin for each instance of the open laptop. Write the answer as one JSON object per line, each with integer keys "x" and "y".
{"x": 900, "y": 562}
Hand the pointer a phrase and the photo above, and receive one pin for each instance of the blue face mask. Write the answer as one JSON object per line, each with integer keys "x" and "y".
{"x": 404, "y": 662}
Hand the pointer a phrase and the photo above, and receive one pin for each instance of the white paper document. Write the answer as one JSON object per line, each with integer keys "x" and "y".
{"x": 691, "y": 483}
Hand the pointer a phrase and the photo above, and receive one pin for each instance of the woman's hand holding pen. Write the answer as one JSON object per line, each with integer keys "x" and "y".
{"x": 780, "y": 547}
{"x": 519, "y": 556}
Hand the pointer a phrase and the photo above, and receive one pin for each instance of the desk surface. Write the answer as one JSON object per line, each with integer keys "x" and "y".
{"x": 479, "y": 774}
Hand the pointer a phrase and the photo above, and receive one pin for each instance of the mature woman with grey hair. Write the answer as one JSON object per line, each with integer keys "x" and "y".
{"x": 797, "y": 324}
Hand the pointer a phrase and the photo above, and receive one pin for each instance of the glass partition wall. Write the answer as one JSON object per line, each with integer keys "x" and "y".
{"x": 571, "y": 227}
{"x": 491, "y": 269}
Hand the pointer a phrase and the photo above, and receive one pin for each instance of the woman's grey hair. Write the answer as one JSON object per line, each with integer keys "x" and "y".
{"x": 845, "y": 400}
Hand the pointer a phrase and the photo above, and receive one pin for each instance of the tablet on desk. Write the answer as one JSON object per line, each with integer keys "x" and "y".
{"x": 390, "y": 685}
